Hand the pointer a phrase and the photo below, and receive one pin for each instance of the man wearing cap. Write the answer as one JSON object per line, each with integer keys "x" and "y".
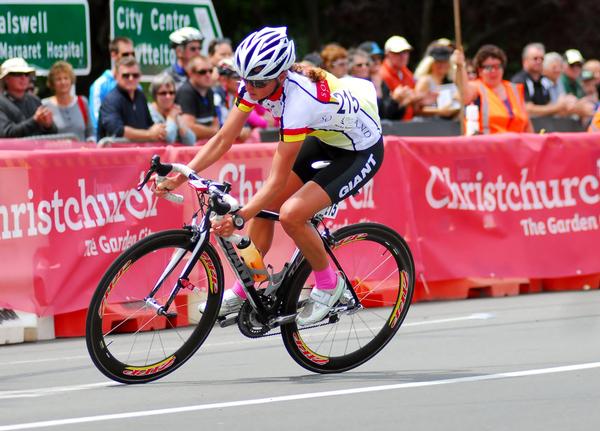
{"x": 119, "y": 48}
{"x": 21, "y": 113}
{"x": 398, "y": 84}
{"x": 187, "y": 43}
{"x": 572, "y": 73}
{"x": 226, "y": 92}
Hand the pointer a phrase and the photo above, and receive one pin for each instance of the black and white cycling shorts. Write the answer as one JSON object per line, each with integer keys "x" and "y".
{"x": 348, "y": 172}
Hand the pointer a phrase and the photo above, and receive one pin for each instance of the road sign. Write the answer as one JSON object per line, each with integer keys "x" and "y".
{"x": 148, "y": 24}
{"x": 45, "y": 31}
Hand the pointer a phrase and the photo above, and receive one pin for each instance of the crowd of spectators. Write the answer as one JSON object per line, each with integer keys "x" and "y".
{"x": 190, "y": 99}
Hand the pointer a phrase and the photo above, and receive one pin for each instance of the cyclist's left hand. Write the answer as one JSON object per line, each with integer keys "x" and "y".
{"x": 223, "y": 227}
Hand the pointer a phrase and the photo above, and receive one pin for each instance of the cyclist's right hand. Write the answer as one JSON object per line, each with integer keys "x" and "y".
{"x": 168, "y": 184}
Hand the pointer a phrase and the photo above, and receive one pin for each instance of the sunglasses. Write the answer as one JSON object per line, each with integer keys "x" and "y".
{"x": 19, "y": 74}
{"x": 165, "y": 93}
{"x": 194, "y": 48}
{"x": 492, "y": 67}
{"x": 202, "y": 72}
{"x": 362, "y": 65}
{"x": 128, "y": 54}
{"x": 130, "y": 75}
{"x": 257, "y": 83}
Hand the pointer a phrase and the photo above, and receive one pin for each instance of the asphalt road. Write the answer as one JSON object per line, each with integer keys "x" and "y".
{"x": 530, "y": 362}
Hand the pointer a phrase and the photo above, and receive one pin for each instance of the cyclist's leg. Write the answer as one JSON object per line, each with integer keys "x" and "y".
{"x": 261, "y": 230}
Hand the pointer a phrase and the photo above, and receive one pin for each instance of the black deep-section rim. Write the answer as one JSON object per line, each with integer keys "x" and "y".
{"x": 99, "y": 352}
{"x": 292, "y": 336}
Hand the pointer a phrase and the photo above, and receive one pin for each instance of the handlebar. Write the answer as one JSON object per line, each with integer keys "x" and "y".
{"x": 221, "y": 201}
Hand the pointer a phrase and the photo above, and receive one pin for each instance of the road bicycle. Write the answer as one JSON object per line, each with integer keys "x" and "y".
{"x": 144, "y": 319}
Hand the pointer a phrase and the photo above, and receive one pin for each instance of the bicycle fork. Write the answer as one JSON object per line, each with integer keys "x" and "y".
{"x": 182, "y": 280}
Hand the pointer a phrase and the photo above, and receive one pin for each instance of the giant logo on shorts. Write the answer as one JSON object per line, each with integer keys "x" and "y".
{"x": 358, "y": 178}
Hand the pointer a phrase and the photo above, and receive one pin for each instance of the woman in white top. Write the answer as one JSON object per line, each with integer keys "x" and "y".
{"x": 322, "y": 118}
{"x": 70, "y": 112}
{"x": 433, "y": 83}
{"x": 164, "y": 110}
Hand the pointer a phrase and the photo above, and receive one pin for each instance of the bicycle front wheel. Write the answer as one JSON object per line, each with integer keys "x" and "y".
{"x": 127, "y": 338}
{"x": 380, "y": 268}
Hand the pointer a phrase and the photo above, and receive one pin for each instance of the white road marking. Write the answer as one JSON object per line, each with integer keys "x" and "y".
{"x": 31, "y": 393}
{"x": 287, "y": 398}
{"x": 474, "y": 316}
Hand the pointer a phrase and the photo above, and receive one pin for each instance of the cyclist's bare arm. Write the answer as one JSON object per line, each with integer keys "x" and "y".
{"x": 212, "y": 151}
{"x": 281, "y": 167}
{"x": 283, "y": 161}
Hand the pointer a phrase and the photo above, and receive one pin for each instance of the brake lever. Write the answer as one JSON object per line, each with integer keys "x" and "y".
{"x": 141, "y": 185}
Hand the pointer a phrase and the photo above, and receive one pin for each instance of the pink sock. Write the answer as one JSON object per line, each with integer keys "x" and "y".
{"x": 238, "y": 289}
{"x": 326, "y": 279}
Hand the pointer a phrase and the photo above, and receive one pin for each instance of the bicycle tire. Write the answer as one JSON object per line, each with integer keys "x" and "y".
{"x": 126, "y": 338}
{"x": 385, "y": 292}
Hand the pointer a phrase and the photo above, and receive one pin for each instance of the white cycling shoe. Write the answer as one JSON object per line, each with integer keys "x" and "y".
{"x": 320, "y": 302}
{"x": 231, "y": 304}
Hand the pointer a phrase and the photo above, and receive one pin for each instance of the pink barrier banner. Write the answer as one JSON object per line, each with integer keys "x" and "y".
{"x": 507, "y": 206}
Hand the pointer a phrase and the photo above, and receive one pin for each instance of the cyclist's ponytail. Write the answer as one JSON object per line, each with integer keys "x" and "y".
{"x": 315, "y": 74}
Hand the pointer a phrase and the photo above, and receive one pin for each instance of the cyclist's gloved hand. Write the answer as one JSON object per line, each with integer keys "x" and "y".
{"x": 169, "y": 184}
{"x": 223, "y": 226}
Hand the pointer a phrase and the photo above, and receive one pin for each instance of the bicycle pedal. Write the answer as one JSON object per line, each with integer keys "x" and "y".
{"x": 227, "y": 321}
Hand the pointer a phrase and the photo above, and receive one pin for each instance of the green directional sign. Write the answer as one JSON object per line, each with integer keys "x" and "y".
{"x": 148, "y": 24}
{"x": 45, "y": 31}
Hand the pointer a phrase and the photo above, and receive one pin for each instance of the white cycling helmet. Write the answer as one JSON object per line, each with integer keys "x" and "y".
{"x": 185, "y": 35}
{"x": 264, "y": 54}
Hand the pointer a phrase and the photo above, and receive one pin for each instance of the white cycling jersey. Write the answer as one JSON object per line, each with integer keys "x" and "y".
{"x": 340, "y": 112}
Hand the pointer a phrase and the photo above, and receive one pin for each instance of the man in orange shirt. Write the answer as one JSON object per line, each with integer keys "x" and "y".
{"x": 398, "y": 96}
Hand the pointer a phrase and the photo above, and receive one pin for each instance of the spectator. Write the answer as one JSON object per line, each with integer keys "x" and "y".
{"x": 471, "y": 71}
{"x": 570, "y": 78}
{"x": 376, "y": 56}
{"x": 119, "y": 48}
{"x": 501, "y": 103}
{"x": 164, "y": 111}
{"x": 433, "y": 84}
{"x": 312, "y": 59}
{"x": 360, "y": 64}
{"x": 335, "y": 60}
{"x": 70, "y": 112}
{"x": 218, "y": 49}
{"x": 399, "y": 99}
{"x": 226, "y": 92}
{"x": 536, "y": 85}
{"x": 553, "y": 67}
{"x": 187, "y": 43}
{"x": 588, "y": 82}
{"x": 21, "y": 113}
{"x": 124, "y": 111}
{"x": 593, "y": 66}
{"x": 196, "y": 99}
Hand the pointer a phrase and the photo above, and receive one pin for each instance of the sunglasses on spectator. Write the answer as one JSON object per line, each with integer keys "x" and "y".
{"x": 19, "y": 74}
{"x": 257, "y": 83}
{"x": 194, "y": 48}
{"x": 165, "y": 93}
{"x": 492, "y": 67}
{"x": 340, "y": 63}
{"x": 130, "y": 75}
{"x": 362, "y": 65}
{"x": 128, "y": 54}
{"x": 202, "y": 72}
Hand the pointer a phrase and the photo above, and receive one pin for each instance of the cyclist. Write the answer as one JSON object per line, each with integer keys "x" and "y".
{"x": 322, "y": 118}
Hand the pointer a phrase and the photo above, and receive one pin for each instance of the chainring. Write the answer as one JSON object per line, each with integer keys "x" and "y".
{"x": 249, "y": 324}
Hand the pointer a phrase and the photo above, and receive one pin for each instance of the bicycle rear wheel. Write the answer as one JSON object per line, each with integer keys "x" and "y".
{"x": 127, "y": 339}
{"x": 379, "y": 266}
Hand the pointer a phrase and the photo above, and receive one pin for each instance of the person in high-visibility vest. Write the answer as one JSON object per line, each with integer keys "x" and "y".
{"x": 595, "y": 124}
{"x": 501, "y": 103}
